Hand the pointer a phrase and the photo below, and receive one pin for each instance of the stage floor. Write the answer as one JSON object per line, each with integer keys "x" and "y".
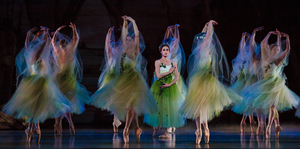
{"x": 228, "y": 137}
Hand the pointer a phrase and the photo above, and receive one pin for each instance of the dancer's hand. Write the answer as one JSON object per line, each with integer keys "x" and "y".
{"x": 33, "y": 29}
{"x": 277, "y": 32}
{"x": 43, "y": 28}
{"x": 244, "y": 34}
{"x": 284, "y": 35}
{"x": 171, "y": 27}
{"x": 111, "y": 29}
{"x": 61, "y": 27}
{"x": 72, "y": 25}
{"x": 165, "y": 85}
{"x": 129, "y": 19}
{"x": 172, "y": 69}
{"x": 124, "y": 17}
{"x": 258, "y": 29}
{"x": 177, "y": 25}
{"x": 213, "y": 22}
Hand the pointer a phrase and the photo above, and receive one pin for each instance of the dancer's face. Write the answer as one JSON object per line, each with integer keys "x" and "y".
{"x": 165, "y": 51}
{"x": 129, "y": 40}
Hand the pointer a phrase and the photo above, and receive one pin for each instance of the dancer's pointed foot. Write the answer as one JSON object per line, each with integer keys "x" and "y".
{"x": 115, "y": 127}
{"x": 126, "y": 135}
{"x": 165, "y": 136}
{"x": 206, "y": 135}
{"x": 198, "y": 133}
{"x": 72, "y": 129}
{"x": 138, "y": 132}
{"x": 252, "y": 126}
{"x": 242, "y": 126}
{"x": 268, "y": 132}
{"x": 38, "y": 132}
{"x": 278, "y": 130}
{"x": 28, "y": 133}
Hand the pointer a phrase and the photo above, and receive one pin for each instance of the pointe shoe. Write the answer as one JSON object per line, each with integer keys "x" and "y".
{"x": 242, "y": 126}
{"x": 154, "y": 132}
{"x": 268, "y": 132}
{"x": 173, "y": 129}
{"x": 258, "y": 130}
{"x": 252, "y": 126}
{"x": 115, "y": 127}
{"x": 72, "y": 129}
{"x": 28, "y": 135}
{"x": 126, "y": 135}
{"x": 38, "y": 133}
{"x": 198, "y": 133}
{"x": 206, "y": 135}
{"x": 165, "y": 136}
{"x": 278, "y": 130}
{"x": 138, "y": 132}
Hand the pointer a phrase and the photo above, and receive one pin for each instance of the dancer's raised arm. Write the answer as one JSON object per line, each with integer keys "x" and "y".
{"x": 108, "y": 43}
{"x": 136, "y": 34}
{"x": 287, "y": 50}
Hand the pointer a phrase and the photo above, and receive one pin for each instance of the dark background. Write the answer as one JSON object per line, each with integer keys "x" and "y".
{"x": 94, "y": 17}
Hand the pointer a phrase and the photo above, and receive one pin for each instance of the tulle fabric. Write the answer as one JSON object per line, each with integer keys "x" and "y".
{"x": 207, "y": 97}
{"x": 75, "y": 92}
{"x": 128, "y": 90}
{"x": 38, "y": 99}
{"x": 240, "y": 83}
{"x": 168, "y": 101}
{"x": 37, "y": 96}
{"x": 69, "y": 74}
{"x": 240, "y": 107}
{"x": 269, "y": 91}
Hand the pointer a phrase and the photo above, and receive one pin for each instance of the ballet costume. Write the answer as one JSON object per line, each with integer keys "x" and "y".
{"x": 168, "y": 101}
{"x": 207, "y": 97}
{"x": 96, "y": 101}
{"x": 38, "y": 98}
{"x": 128, "y": 90}
{"x": 68, "y": 85}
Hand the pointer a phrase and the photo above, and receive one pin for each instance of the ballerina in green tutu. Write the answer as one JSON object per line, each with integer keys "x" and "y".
{"x": 245, "y": 73}
{"x": 208, "y": 70}
{"x": 37, "y": 97}
{"x": 68, "y": 75}
{"x": 270, "y": 93}
{"x": 166, "y": 94}
{"x": 128, "y": 95}
{"x": 107, "y": 75}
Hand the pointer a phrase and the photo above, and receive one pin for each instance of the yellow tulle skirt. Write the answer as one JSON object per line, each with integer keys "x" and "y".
{"x": 127, "y": 91}
{"x": 207, "y": 97}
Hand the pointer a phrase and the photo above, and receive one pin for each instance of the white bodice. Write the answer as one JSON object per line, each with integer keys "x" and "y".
{"x": 272, "y": 70}
{"x": 163, "y": 69}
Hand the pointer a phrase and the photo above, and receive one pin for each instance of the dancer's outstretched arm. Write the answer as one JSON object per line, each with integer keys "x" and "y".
{"x": 107, "y": 43}
{"x": 252, "y": 41}
{"x": 265, "y": 45}
{"x": 285, "y": 53}
{"x": 136, "y": 34}
{"x": 75, "y": 38}
{"x": 27, "y": 40}
{"x": 55, "y": 46}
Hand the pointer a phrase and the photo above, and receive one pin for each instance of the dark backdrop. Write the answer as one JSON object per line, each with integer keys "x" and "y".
{"x": 94, "y": 17}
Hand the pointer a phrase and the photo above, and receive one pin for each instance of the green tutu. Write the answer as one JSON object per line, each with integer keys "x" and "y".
{"x": 168, "y": 101}
{"x": 37, "y": 98}
{"x": 75, "y": 92}
{"x": 240, "y": 83}
{"x": 126, "y": 91}
{"x": 240, "y": 107}
{"x": 207, "y": 97}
